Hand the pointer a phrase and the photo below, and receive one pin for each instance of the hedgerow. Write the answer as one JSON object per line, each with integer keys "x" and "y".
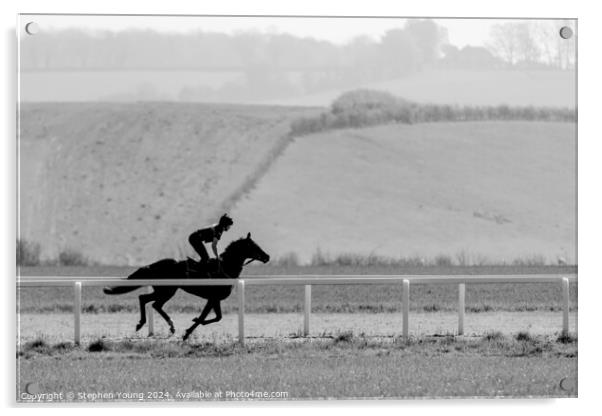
{"x": 362, "y": 108}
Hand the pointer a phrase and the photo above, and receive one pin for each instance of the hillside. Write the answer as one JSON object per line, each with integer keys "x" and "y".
{"x": 488, "y": 191}
{"x": 517, "y": 88}
{"x": 127, "y": 183}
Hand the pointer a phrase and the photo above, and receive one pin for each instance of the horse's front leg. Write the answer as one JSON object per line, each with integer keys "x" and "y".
{"x": 198, "y": 321}
{"x": 217, "y": 308}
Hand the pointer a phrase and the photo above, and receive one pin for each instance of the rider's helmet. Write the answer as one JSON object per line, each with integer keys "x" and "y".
{"x": 225, "y": 221}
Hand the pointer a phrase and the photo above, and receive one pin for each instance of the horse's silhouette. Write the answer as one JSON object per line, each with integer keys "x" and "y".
{"x": 232, "y": 261}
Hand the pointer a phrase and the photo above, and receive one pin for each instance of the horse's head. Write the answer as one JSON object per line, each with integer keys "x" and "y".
{"x": 253, "y": 251}
{"x": 245, "y": 248}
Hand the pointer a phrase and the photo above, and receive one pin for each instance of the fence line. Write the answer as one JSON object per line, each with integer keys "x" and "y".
{"x": 306, "y": 310}
{"x": 461, "y": 307}
{"x": 306, "y": 280}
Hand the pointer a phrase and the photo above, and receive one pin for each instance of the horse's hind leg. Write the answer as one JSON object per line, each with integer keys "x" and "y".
{"x": 144, "y": 299}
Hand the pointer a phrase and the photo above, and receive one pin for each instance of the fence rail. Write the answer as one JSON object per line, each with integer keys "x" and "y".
{"x": 77, "y": 282}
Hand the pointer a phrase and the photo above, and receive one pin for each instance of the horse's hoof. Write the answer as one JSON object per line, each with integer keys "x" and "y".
{"x": 172, "y": 330}
{"x": 185, "y": 337}
{"x": 139, "y": 326}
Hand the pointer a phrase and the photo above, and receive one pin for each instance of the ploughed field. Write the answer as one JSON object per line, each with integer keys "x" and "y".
{"x": 489, "y": 192}
{"x": 141, "y": 176}
{"x": 144, "y": 176}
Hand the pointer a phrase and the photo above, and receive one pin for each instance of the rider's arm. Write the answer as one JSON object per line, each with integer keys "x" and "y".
{"x": 214, "y": 247}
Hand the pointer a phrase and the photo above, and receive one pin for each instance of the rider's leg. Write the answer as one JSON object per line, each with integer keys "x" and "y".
{"x": 204, "y": 255}
{"x": 199, "y": 247}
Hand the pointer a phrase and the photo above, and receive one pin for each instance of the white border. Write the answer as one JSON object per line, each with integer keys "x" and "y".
{"x": 590, "y": 210}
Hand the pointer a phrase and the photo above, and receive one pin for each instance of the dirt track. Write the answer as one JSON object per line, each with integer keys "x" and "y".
{"x": 59, "y": 327}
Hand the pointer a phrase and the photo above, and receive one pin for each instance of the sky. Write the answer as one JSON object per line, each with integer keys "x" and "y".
{"x": 461, "y": 32}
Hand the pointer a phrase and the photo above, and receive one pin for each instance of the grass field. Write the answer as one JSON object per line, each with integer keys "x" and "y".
{"x": 342, "y": 366}
{"x": 487, "y": 191}
{"x": 117, "y": 86}
{"x": 537, "y": 88}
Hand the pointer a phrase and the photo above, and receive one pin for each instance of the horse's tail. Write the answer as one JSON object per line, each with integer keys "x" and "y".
{"x": 119, "y": 290}
{"x": 142, "y": 273}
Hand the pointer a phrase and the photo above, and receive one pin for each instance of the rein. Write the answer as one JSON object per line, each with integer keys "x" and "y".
{"x": 228, "y": 276}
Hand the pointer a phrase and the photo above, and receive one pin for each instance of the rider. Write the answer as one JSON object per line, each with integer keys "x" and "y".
{"x": 210, "y": 234}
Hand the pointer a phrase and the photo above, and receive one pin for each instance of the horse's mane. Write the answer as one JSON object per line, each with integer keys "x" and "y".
{"x": 233, "y": 247}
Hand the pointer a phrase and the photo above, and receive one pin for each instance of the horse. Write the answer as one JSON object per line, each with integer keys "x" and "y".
{"x": 232, "y": 261}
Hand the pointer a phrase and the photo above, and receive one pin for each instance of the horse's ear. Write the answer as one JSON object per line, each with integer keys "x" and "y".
{"x": 249, "y": 236}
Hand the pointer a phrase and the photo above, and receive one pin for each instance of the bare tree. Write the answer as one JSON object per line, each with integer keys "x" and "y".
{"x": 534, "y": 42}
{"x": 527, "y": 47}
{"x": 544, "y": 33}
{"x": 504, "y": 42}
{"x": 566, "y": 47}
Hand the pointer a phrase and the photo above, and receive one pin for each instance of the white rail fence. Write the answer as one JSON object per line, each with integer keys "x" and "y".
{"x": 305, "y": 280}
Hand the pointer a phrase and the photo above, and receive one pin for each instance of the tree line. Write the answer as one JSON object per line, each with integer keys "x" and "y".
{"x": 417, "y": 44}
{"x": 272, "y": 65}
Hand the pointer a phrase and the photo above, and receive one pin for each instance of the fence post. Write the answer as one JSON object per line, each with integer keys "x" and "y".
{"x": 149, "y": 315}
{"x": 406, "y": 307}
{"x": 565, "y": 305}
{"x": 307, "y": 310}
{"x": 241, "y": 312}
{"x": 77, "y": 310}
{"x": 461, "y": 307}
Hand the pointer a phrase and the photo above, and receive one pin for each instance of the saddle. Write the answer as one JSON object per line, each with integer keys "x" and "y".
{"x": 196, "y": 269}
